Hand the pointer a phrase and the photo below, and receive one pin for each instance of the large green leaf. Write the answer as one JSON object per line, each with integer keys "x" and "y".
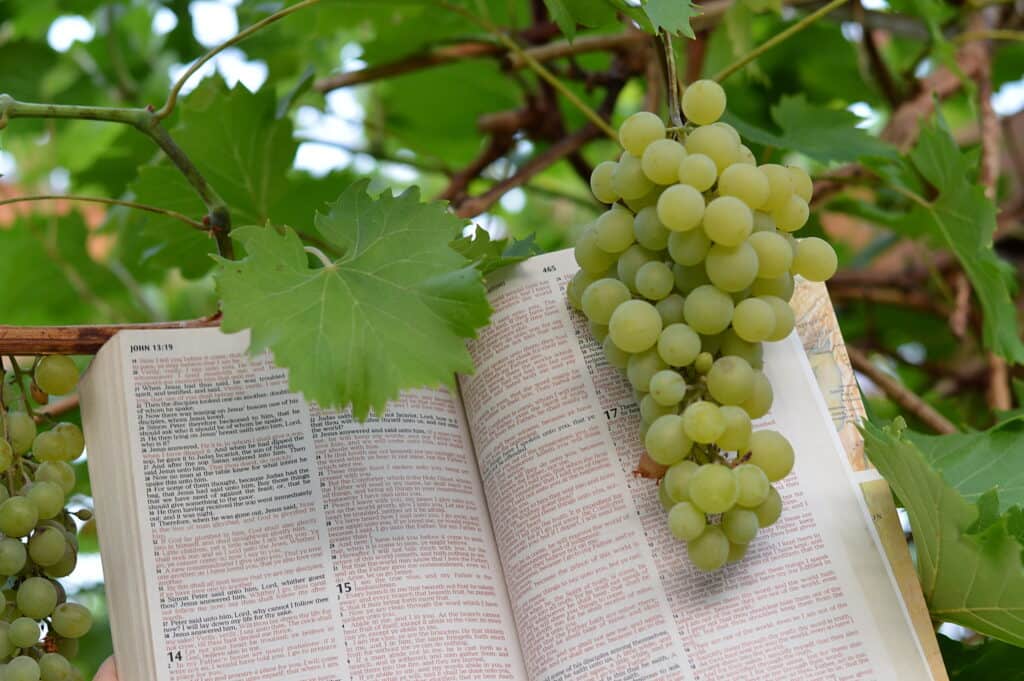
{"x": 968, "y": 556}
{"x": 391, "y": 313}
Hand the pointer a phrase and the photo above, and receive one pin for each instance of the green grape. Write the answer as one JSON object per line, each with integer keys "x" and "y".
{"x": 6, "y": 454}
{"x": 734, "y": 345}
{"x": 704, "y": 362}
{"x": 616, "y": 357}
{"x": 753, "y": 320}
{"x": 21, "y": 431}
{"x": 639, "y": 130}
{"x": 698, "y": 171}
{"x": 710, "y": 550}
{"x": 713, "y": 488}
{"x": 703, "y": 102}
{"x": 814, "y": 260}
{"x": 747, "y": 156}
{"x": 680, "y": 207}
{"x": 784, "y": 318}
{"x": 53, "y": 667}
{"x": 780, "y": 186}
{"x": 761, "y": 397}
{"x": 649, "y": 231}
{"x": 736, "y": 436}
{"x": 770, "y": 509}
{"x": 634, "y": 326}
{"x": 736, "y": 552}
{"x": 37, "y": 597}
{"x": 728, "y": 221}
{"x": 68, "y": 647}
{"x": 740, "y": 525}
{"x": 763, "y": 222}
{"x": 648, "y": 199}
{"x": 666, "y": 441}
{"x": 686, "y": 521}
{"x": 667, "y": 387}
{"x": 56, "y": 374}
{"x": 18, "y": 516}
{"x": 707, "y": 310}
{"x": 22, "y": 668}
{"x": 650, "y": 410}
{"x": 802, "y": 185}
{"x": 732, "y": 269}
{"x": 715, "y": 143}
{"x": 677, "y": 480}
{"x": 780, "y": 286}
{"x": 629, "y": 180}
{"x": 641, "y": 367}
{"x": 666, "y": 501}
{"x": 65, "y": 566}
{"x": 731, "y": 380}
{"x": 577, "y": 285}
{"x": 613, "y": 230}
{"x": 601, "y": 182}
{"x": 661, "y": 159}
{"x": 48, "y": 498}
{"x": 690, "y": 277}
{"x": 703, "y": 423}
{"x": 753, "y": 485}
{"x": 48, "y": 446}
{"x": 46, "y": 547}
{"x": 791, "y": 215}
{"x": 746, "y": 183}
{"x": 74, "y": 440}
{"x": 654, "y": 280}
{"x": 11, "y": 392}
{"x": 771, "y": 452}
{"x": 632, "y": 260}
{"x": 602, "y": 297}
{"x": 71, "y": 620}
{"x": 23, "y": 632}
{"x": 678, "y": 345}
{"x": 670, "y": 309}
{"x": 589, "y": 257}
{"x": 598, "y": 331}
{"x": 689, "y": 247}
{"x": 12, "y": 556}
{"x": 733, "y": 135}
{"x": 774, "y": 254}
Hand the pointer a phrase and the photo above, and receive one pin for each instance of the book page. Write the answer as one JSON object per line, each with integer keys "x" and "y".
{"x": 284, "y": 542}
{"x": 599, "y": 588}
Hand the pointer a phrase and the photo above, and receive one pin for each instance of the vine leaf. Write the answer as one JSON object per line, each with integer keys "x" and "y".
{"x": 672, "y": 15}
{"x": 490, "y": 254}
{"x": 988, "y": 661}
{"x": 968, "y": 554}
{"x": 391, "y": 313}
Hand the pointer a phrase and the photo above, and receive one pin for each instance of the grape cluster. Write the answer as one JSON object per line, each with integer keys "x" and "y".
{"x": 39, "y": 628}
{"x": 682, "y": 279}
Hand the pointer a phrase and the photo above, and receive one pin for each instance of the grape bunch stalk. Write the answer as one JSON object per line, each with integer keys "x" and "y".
{"x": 684, "y": 277}
{"x": 39, "y": 628}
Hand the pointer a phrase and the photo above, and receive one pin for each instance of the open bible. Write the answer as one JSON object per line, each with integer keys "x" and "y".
{"x": 495, "y": 534}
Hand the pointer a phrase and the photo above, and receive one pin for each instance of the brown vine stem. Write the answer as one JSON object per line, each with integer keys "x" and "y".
{"x": 110, "y": 202}
{"x": 899, "y": 393}
{"x": 79, "y": 340}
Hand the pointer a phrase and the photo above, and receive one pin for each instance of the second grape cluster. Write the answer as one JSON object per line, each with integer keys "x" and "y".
{"x": 682, "y": 279}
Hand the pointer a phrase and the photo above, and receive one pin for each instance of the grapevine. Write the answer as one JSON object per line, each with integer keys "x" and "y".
{"x": 683, "y": 279}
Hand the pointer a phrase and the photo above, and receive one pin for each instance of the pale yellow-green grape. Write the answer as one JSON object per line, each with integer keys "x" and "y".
{"x": 649, "y": 231}
{"x": 648, "y": 199}
{"x": 666, "y": 501}
{"x": 635, "y": 326}
{"x": 703, "y": 423}
{"x": 728, "y": 221}
{"x": 772, "y": 453}
{"x": 753, "y": 485}
{"x": 736, "y": 552}
{"x": 613, "y": 230}
{"x": 732, "y": 344}
{"x": 598, "y": 331}
{"x": 747, "y": 156}
{"x": 631, "y": 261}
{"x": 602, "y": 297}
{"x": 770, "y": 509}
{"x": 736, "y": 436}
{"x": 698, "y": 171}
{"x": 774, "y": 254}
{"x": 784, "y": 318}
{"x": 715, "y": 143}
{"x": 802, "y": 185}
{"x": 731, "y": 380}
{"x": 654, "y": 280}
{"x": 792, "y": 215}
{"x": 780, "y": 186}
{"x": 732, "y": 269}
{"x": 667, "y": 387}
{"x": 680, "y": 207}
{"x": 713, "y": 488}
{"x": 678, "y": 345}
{"x": 689, "y": 247}
{"x": 814, "y": 260}
{"x": 704, "y": 362}
{"x": 641, "y": 367}
{"x": 56, "y": 374}
{"x": 677, "y": 480}
{"x": 703, "y": 102}
{"x": 763, "y": 222}
{"x": 21, "y": 431}
{"x": 740, "y": 525}
{"x": 780, "y": 286}
{"x": 761, "y": 397}
{"x": 666, "y": 441}
{"x": 710, "y": 550}
{"x": 747, "y": 183}
{"x": 670, "y": 309}
{"x": 629, "y": 180}
{"x": 707, "y": 310}
{"x": 753, "y": 320}
{"x": 615, "y": 356}
{"x": 661, "y": 159}
{"x": 639, "y": 130}
{"x": 74, "y": 440}
{"x": 577, "y": 285}
{"x": 689, "y": 277}
{"x": 589, "y": 257}
{"x": 729, "y": 129}
{"x": 48, "y": 446}
{"x": 651, "y": 411}
{"x": 686, "y": 521}
{"x": 601, "y": 182}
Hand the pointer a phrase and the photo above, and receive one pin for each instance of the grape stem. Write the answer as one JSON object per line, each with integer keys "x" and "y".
{"x": 673, "y": 95}
{"x": 19, "y": 377}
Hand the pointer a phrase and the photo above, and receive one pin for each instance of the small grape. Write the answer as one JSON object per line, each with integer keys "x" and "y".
{"x": 792, "y": 215}
{"x": 761, "y": 397}
{"x": 686, "y": 521}
{"x": 65, "y": 566}
{"x": 661, "y": 159}
{"x": 23, "y": 632}
{"x": 650, "y": 410}
{"x": 774, "y": 254}
{"x": 639, "y": 130}
{"x": 666, "y": 440}
{"x": 21, "y": 431}
{"x": 56, "y": 374}
{"x": 771, "y": 452}
{"x": 770, "y": 509}
{"x": 654, "y": 280}
{"x": 680, "y": 207}
{"x": 713, "y": 488}
{"x": 613, "y": 230}
{"x": 703, "y": 423}
{"x": 715, "y": 143}
{"x": 802, "y": 185}
{"x": 732, "y": 269}
{"x": 577, "y": 285}
{"x": 704, "y": 362}
{"x": 48, "y": 498}
{"x": 710, "y": 550}
{"x": 736, "y": 552}
{"x": 736, "y": 436}
{"x": 649, "y": 199}
{"x": 753, "y": 320}
{"x": 666, "y": 501}
{"x": 815, "y": 259}
{"x": 37, "y": 597}
{"x": 678, "y": 345}
{"x": 598, "y": 331}
{"x": 735, "y": 136}
{"x": 54, "y": 667}
{"x": 780, "y": 286}
{"x": 642, "y": 367}
{"x": 698, "y": 171}
{"x": 72, "y": 620}
{"x": 48, "y": 446}
{"x": 47, "y": 546}
{"x": 689, "y": 247}
{"x": 671, "y": 310}
{"x": 677, "y": 480}
{"x": 602, "y": 298}
{"x": 601, "y": 182}
{"x": 708, "y": 310}
{"x": 18, "y": 516}
{"x": 728, "y": 221}
{"x": 688, "y": 278}
{"x": 589, "y": 257}
{"x": 629, "y": 180}
{"x": 747, "y": 156}
{"x": 649, "y": 231}
{"x": 12, "y": 556}
{"x": 616, "y": 357}
{"x": 730, "y": 381}
{"x": 780, "y": 186}
{"x": 632, "y": 260}
{"x": 753, "y": 485}
{"x": 703, "y": 102}
{"x": 634, "y": 326}
{"x": 747, "y": 183}
{"x": 667, "y": 387}
{"x": 784, "y": 318}
{"x": 739, "y": 525}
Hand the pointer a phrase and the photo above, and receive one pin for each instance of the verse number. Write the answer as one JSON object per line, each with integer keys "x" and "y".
{"x": 550, "y": 268}
{"x": 345, "y": 588}
{"x": 611, "y": 413}
{"x": 174, "y": 656}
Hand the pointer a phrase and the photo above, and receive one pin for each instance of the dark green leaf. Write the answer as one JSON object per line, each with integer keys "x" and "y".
{"x": 490, "y": 254}
{"x": 672, "y": 15}
{"x": 988, "y": 661}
